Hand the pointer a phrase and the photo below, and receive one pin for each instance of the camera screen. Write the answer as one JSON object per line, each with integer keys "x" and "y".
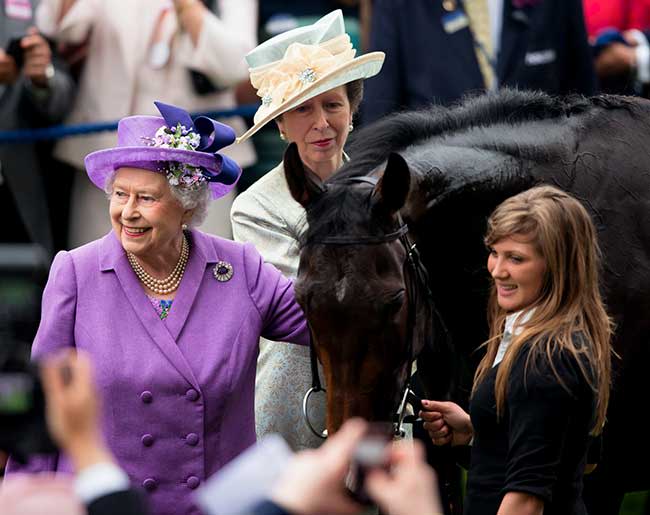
{"x": 16, "y": 393}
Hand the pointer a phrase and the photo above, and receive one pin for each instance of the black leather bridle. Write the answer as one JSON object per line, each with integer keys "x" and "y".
{"x": 417, "y": 283}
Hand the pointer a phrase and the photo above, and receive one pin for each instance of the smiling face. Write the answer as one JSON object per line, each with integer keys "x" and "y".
{"x": 145, "y": 216}
{"x": 518, "y": 270}
{"x": 320, "y": 128}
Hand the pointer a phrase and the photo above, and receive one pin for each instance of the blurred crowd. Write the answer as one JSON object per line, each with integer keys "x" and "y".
{"x": 88, "y": 61}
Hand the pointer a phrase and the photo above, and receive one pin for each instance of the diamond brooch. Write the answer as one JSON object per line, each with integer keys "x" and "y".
{"x": 266, "y": 100}
{"x": 223, "y": 271}
{"x": 307, "y": 76}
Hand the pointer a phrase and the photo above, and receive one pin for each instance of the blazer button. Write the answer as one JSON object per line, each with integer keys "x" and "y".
{"x": 146, "y": 397}
{"x": 192, "y": 439}
{"x": 191, "y": 395}
{"x": 193, "y": 482}
{"x": 149, "y": 484}
{"x": 147, "y": 440}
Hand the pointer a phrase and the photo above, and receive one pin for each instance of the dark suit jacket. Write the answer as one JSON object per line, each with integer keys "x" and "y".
{"x": 126, "y": 502}
{"x": 543, "y": 46}
{"x": 20, "y": 108}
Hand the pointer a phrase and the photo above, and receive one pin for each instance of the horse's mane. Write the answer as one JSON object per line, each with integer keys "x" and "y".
{"x": 372, "y": 144}
{"x": 338, "y": 211}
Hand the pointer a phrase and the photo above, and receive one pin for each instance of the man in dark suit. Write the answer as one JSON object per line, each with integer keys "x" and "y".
{"x": 432, "y": 54}
{"x": 35, "y": 90}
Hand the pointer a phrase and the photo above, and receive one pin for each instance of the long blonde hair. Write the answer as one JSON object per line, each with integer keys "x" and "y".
{"x": 570, "y": 302}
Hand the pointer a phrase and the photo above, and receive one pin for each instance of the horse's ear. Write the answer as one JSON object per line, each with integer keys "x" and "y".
{"x": 393, "y": 188}
{"x": 301, "y": 186}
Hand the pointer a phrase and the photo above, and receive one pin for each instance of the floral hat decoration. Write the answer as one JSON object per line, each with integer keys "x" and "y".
{"x": 302, "y": 63}
{"x": 185, "y": 150}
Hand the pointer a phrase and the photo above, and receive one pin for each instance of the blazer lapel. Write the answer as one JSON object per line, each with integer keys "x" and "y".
{"x": 113, "y": 257}
{"x": 513, "y": 38}
{"x": 202, "y": 254}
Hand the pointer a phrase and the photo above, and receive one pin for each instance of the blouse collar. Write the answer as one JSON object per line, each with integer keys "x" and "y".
{"x": 515, "y": 322}
{"x": 514, "y": 326}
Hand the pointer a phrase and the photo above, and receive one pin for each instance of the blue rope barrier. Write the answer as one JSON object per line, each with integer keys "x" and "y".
{"x": 63, "y": 131}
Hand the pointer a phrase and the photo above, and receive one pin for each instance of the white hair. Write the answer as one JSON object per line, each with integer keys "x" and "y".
{"x": 197, "y": 198}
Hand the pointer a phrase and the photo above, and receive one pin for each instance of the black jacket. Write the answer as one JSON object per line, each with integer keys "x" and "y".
{"x": 543, "y": 46}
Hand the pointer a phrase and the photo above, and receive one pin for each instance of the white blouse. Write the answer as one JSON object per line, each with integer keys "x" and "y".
{"x": 514, "y": 326}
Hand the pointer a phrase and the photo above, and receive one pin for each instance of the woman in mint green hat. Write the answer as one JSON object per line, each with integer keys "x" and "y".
{"x": 311, "y": 85}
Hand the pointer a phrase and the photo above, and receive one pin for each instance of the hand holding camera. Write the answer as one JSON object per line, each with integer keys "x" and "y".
{"x": 410, "y": 486}
{"x": 30, "y": 54}
{"x": 371, "y": 453}
{"x": 314, "y": 479}
{"x": 72, "y": 409}
{"x": 361, "y": 457}
{"x": 8, "y": 69}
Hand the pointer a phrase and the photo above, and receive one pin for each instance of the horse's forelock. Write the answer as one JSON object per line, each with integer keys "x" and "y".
{"x": 339, "y": 210}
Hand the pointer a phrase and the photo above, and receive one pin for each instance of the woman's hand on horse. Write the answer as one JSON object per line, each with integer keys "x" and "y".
{"x": 446, "y": 422}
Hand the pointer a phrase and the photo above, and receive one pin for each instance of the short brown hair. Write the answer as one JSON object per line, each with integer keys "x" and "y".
{"x": 354, "y": 90}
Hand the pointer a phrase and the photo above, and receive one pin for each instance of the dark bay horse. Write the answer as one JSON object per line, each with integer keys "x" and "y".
{"x": 443, "y": 171}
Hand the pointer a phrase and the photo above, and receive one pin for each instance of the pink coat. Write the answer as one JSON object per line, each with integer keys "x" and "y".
{"x": 177, "y": 396}
{"x": 617, "y": 14}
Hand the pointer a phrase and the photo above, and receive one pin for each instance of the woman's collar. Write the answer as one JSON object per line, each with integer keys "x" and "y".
{"x": 515, "y": 321}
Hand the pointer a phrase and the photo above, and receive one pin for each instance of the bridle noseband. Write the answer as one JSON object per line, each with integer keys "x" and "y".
{"x": 417, "y": 279}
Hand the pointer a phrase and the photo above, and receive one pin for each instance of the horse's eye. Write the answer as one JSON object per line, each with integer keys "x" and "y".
{"x": 395, "y": 302}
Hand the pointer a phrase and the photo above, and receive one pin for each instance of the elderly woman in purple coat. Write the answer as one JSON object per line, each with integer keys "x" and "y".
{"x": 171, "y": 316}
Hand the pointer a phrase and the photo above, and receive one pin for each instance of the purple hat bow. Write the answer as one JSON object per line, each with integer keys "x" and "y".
{"x": 213, "y": 137}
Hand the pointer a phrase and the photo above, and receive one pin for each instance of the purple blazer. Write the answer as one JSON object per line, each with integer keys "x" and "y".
{"x": 177, "y": 396}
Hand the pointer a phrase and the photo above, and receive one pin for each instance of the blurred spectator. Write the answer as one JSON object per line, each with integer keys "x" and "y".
{"x": 312, "y": 483}
{"x": 73, "y": 421}
{"x": 138, "y": 52}
{"x": 25, "y": 495}
{"x": 619, "y": 31}
{"x": 438, "y": 51}
{"x": 314, "y": 480}
{"x": 35, "y": 90}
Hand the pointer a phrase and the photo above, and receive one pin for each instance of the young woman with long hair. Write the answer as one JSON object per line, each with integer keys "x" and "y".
{"x": 542, "y": 387}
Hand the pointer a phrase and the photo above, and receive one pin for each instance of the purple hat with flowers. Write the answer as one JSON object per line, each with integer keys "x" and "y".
{"x": 185, "y": 150}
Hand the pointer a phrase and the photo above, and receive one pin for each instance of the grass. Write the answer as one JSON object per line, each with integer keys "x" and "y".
{"x": 634, "y": 503}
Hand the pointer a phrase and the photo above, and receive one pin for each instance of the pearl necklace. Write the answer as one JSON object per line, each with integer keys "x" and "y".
{"x": 170, "y": 283}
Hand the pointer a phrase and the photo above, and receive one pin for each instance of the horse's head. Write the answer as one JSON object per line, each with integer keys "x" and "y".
{"x": 352, "y": 284}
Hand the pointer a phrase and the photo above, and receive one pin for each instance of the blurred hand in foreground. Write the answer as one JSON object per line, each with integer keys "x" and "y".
{"x": 72, "y": 409}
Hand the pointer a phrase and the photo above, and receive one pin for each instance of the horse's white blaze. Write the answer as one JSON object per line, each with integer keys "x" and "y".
{"x": 340, "y": 288}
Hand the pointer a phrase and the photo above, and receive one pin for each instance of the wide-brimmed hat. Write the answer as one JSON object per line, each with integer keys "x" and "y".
{"x": 185, "y": 150}
{"x": 302, "y": 63}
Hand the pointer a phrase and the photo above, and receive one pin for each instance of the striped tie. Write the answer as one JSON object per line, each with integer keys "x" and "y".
{"x": 479, "y": 21}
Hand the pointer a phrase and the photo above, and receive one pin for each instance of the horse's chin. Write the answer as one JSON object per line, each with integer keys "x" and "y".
{"x": 354, "y": 406}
